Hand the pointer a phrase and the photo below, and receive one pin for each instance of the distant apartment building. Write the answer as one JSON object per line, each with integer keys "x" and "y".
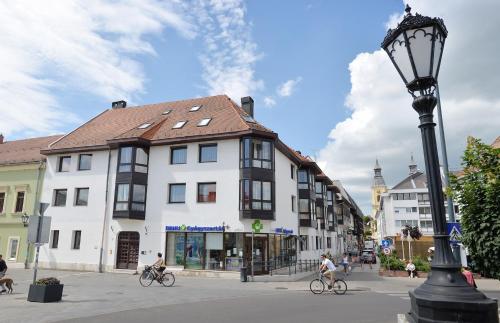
{"x": 197, "y": 180}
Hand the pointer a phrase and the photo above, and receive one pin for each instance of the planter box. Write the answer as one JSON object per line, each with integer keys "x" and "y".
{"x": 45, "y": 293}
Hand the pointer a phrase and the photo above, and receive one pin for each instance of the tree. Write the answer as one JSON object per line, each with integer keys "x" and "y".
{"x": 411, "y": 233}
{"x": 477, "y": 191}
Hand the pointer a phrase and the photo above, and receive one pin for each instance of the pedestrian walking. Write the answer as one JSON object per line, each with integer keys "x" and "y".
{"x": 345, "y": 263}
{"x": 3, "y": 270}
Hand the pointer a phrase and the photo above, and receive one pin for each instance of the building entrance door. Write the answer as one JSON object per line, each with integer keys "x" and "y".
{"x": 260, "y": 266}
{"x": 127, "y": 255}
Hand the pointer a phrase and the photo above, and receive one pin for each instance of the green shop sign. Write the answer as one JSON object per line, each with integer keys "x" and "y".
{"x": 257, "y": 226}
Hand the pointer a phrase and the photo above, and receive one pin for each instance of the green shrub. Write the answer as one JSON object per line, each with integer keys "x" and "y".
{"x": 392, "y": 262}
{"x": 48, "y": 281}
{"x": 421, "y": 264}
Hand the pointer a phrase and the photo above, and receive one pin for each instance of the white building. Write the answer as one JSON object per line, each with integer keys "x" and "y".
{"x": 191, "y": 179}
{"x": 406, "y": 203}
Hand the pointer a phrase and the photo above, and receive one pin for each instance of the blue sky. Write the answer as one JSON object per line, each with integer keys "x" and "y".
{"x": 314, "y": 69}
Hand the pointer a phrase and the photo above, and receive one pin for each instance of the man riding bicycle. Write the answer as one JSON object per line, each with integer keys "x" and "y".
{"x": 328, "y": 268}
{"x": 159, "y": 265}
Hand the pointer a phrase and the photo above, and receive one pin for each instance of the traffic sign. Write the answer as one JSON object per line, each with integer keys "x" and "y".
{"x": 387, "y": 251}
{"x": 454, "y": 231}
{"x": 385, "y": 243}
{"x": 36, "y": 234}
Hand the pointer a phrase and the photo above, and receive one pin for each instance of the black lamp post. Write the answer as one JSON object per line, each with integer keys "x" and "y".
{"x": 415, "y": 47}
{"x": 26, "y": 219}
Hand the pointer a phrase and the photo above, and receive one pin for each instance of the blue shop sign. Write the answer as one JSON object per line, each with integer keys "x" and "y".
{"x": 283, "y": 231}
{"x": 183, "y": 227}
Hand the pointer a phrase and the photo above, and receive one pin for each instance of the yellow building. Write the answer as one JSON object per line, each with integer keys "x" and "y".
{"x": 378, "y": 187}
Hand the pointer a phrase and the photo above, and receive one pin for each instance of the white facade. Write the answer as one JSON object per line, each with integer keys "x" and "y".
{"x": 100, "y": 230}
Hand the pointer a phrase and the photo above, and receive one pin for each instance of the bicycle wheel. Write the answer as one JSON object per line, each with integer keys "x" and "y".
{"x": 339, "y": 287}
{"x": 146, "y": 278}
{"x": 168, "y": 279}
{"x": 317, "y": 286}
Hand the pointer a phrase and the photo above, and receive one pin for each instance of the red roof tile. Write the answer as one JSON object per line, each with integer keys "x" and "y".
{"x": 25, "y": 150}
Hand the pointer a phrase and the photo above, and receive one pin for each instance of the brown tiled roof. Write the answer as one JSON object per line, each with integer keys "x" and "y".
{"x": 496, "y": 143}
{"x": 115, "y": 125}
{"x": 24, "y": 151}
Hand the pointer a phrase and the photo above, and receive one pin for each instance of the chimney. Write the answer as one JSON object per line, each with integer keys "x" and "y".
{"x": 119, "y": 104}
{"x": 247, "y": 105}
{"x": 1, "y": 138}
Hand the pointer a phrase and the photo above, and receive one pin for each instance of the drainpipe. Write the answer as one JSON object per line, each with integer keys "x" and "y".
{"x": 39, "y": 172}
{"x": 101, "y": 252}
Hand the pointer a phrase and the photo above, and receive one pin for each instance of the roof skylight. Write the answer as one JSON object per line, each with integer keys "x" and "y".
{"x": 195, "y": 108}
{"x": 204, "y": 122}
{"x": 166, "y": 112}
{"x": 144, "y": 125}
{"x": 179, "y": 124}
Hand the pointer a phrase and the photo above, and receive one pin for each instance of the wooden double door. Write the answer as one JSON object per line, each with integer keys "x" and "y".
{"x": 128, "y": 250}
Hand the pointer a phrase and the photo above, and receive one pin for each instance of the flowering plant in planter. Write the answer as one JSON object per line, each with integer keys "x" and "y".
{"x": 48, "y": 281}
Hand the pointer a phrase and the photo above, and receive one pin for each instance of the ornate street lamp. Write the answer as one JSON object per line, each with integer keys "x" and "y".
{"x": 415, "y": 47}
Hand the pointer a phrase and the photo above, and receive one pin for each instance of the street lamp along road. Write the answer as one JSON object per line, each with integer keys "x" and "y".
{"x": 26, "y": 219}
{"x": 415, "y": 47}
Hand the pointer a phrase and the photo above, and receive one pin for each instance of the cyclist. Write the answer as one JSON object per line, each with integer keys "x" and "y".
{"x": 159, "y": 265}
{"x": 329, "y": 269}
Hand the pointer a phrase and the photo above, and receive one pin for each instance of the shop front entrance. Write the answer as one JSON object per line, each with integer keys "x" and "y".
{"x": 260, "y": 254}
{"x": 128, "y": 250}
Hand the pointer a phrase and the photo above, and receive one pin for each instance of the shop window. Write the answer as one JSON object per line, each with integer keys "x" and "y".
{"x": 19, "y": 201}
{"x": 303, "y": 243}
{"x": 81, "y": 196}
{"x": 206, "y": 192}
{"x": 60, "y": 197}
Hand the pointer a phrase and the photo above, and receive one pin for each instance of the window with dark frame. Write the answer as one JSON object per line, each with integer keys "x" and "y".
{"x": 125, "y": 162}
{"x": 207, "y": 192}
{"x": 256, "y": 195}
{"x": 60, "y": 197}
{"x": 207, "y": 153}
{"x": 77, "y": 236}
{"x": 84, "y": 162}
{"x": 141, "y": 160}
{"x": 178, "y": 155}
{"x": 19, "y": 201}
{"x": 292, "y": 171}
{"x": 2, "y": 201}
{"x": 177, "y": 193}
{"x": 64, "y": 164}
{"x": 256, "y": 153}
{"x": 138, "y": 197}
{"x": 303, "y": 179}
{"x": 81, "y": 196}
{"x": 122, "y": 197}
{"x": 328, "y": 242}
{"x": 294, "y": 203}
{"x": 54, "y": 239}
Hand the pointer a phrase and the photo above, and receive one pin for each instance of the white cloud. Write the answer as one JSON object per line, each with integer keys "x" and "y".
{"x": 269, "y": 101}
{"x": 228, "y": 63}
{"x": 86, "y": 45}
{"x": 383, "y": 124}
{"x": 288, "y": 87}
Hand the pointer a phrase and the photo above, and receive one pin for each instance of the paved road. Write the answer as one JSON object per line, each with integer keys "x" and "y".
{"x": 93, "y": 297}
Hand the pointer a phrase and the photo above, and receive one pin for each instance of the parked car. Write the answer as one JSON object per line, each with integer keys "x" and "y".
{"x": 368, "y": 256}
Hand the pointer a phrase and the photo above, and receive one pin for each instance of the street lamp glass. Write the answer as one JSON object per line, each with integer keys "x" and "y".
{"x": 25, "y": 218}
{"x": 415, "y": 47}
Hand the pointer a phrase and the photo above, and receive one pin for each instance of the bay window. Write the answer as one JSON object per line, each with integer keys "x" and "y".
{"x": 260, "y": 193}
{"x": 257, "y": 153}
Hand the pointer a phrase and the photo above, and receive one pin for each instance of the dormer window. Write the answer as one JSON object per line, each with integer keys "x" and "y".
{"x": 179, "y": 125}
{"x": 166, "y": 112}
{"x": 195, "y": 108}
{"x": 204, "y": 122}
{"x": 144, "y": 125}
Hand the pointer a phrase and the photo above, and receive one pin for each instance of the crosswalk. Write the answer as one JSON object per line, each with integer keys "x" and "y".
{"x": 402, "y": 295}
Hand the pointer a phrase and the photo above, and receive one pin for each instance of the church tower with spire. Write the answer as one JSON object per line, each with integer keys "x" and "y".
{"x": 378, "y": 187}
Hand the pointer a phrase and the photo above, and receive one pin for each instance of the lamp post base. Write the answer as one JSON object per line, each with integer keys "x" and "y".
{"x": 448, "y": 302}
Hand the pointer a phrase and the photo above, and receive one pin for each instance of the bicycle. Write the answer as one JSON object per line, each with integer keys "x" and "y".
{"x": 149, "y": 275}
{"x": 317, "y": 285}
